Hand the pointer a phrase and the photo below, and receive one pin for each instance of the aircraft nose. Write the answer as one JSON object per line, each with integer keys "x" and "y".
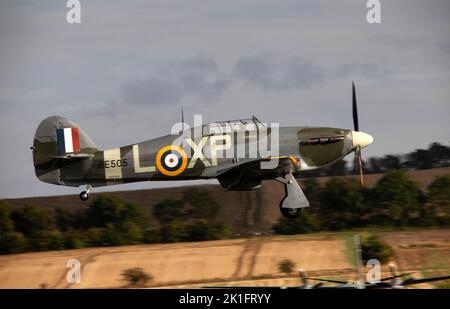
{"x": 361, "y": 139}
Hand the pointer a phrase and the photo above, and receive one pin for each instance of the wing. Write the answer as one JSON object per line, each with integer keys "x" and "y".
{"x": 247, "y": 174}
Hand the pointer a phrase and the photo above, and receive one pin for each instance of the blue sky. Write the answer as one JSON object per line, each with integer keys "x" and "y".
{"x": 125, "y": 71}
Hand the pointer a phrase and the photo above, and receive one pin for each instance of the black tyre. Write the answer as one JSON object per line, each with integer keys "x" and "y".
{"x": 290, "y": 212}
{"x": 84, "y": 196}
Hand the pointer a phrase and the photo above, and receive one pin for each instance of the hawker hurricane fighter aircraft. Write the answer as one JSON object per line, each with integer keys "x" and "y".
{"x": 229, "y": 151}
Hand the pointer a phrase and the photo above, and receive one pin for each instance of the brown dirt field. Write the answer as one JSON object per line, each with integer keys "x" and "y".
{"x": 314, "y": 254}
{"x": 421, "y": 250}
{"x": 171, "y": 264}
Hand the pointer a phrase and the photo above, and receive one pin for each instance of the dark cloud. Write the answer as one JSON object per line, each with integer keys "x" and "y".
{"x": 367, "y": 70}
{"x": 197, "y": 77}
{"x": 268, "y": 70}
{"x": 200, "y": 78}
{"x": 200, "y": 63}
{"x": 151, "y": 91}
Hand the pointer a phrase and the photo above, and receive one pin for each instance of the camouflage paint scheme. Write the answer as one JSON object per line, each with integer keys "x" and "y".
{"x": 300, "y": 148}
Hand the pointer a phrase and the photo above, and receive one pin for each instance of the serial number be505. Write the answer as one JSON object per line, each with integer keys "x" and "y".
{"x": 112, "y": 163}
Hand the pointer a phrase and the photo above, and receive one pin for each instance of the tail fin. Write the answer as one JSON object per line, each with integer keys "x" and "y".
{"x": 59, "y": 141}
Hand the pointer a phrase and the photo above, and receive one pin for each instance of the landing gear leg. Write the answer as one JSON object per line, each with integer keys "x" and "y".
{"x": 294, "y": 200}
{"x": 84, "y": 196}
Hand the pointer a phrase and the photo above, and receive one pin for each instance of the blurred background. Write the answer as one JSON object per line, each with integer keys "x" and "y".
{"x": 123, "y": 75}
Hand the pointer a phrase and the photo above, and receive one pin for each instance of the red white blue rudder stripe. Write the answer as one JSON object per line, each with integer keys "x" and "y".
{"x": 68, "y": 140}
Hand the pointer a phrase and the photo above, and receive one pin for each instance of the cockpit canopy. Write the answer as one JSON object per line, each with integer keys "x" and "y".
{"x": 239, "y": 125}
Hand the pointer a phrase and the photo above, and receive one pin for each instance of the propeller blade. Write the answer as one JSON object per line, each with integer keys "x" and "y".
{"x": 360, "y": 167}
{"x": 328, "y": 280}
{"x": 417, "y": 281}
{"x": 397, "y": 276}
{"x": 317, "y": 285}
{"x": 354, "y": 108}
{"x": 358, "y": 156}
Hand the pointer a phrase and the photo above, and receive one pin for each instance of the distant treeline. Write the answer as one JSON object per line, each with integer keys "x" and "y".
{"x": 395, "y": 201}
{"x": 437, "y": 155}
{"x": 110, "y": 222}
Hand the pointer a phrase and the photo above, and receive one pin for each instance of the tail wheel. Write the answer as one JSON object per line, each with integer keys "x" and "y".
{"x": 84, "y": 196}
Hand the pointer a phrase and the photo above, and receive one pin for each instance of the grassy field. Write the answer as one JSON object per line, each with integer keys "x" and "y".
{"x": 247, "y": 261}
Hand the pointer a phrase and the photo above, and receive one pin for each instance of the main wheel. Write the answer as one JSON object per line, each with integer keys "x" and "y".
{"x": 84, "y": 196}
{"x": 290, "y": 212}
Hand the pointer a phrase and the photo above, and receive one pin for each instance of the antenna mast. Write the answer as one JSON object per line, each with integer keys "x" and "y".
{"x": 182, "y": 118}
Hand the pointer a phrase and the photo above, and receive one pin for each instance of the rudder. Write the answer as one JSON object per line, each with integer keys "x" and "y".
{"x": 57, "y": 137}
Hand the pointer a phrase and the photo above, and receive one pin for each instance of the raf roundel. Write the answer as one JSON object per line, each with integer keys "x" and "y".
{"x": 171, "y": 160}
